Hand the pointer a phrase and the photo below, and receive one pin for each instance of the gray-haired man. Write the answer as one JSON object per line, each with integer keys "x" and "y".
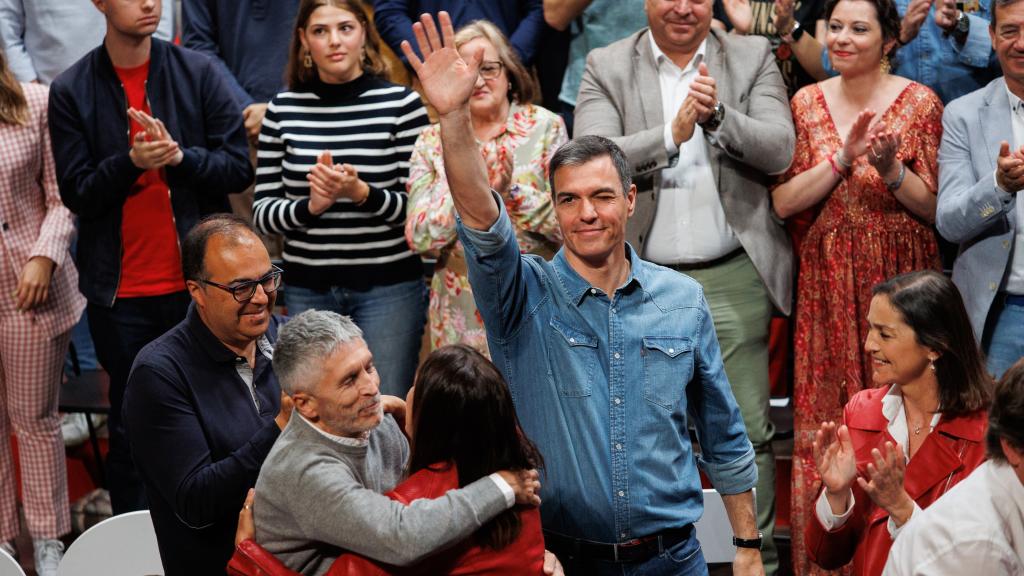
{"x": 320, "y": 490}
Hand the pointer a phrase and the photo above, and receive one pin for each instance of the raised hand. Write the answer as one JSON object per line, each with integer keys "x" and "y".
{"x": 783, "y": 16}
{"x": 883, "y": 144}
{"x": 446, "y": 79}
{"x": 885, "y": 487}
{"x": 704, "y": 94}
{"x": 836, "y": 462}
{"x": 856, "y": 143}
{"x": 917, "y": 12}
{"x": 741, "y": 16}
{"x": 1010, "y": 168}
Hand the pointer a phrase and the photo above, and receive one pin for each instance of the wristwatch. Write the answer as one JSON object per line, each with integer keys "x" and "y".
{"x": 962, "y": 26}
{"x": 748, "y": 542}
{"x": 794, "y": 34}
{"x": 717, "y": 115}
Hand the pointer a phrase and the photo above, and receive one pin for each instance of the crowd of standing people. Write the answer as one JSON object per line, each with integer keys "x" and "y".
{"x": 402, "y": 174}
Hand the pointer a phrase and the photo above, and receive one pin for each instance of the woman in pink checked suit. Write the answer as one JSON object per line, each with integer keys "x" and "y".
{"x": 39, "y": 303}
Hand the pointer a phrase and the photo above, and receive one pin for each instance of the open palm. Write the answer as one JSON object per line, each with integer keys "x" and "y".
{"x": 446, "y": 78}
{"x": 834, "y": 457}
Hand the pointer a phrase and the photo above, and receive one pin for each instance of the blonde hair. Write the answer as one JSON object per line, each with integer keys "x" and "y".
{"x": 522, "y": 88}
{"x": 298, "y": 74}
{"x": 13, "y": 105}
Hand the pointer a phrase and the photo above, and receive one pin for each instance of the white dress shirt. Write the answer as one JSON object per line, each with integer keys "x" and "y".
{"x": 892, "y": 409}
{"x": 689, "y": 223}
{"x": 1015, "y": 279}
{"x": 976, "y": 528}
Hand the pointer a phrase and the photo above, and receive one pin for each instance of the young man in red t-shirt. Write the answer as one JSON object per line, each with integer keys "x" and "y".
{"x": 147, "y": 139}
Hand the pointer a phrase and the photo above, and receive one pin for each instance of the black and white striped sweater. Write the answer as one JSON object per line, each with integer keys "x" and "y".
{"x": 368, "y": 123}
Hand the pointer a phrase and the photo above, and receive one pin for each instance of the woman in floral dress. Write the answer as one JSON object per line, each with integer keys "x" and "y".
{"x": 874, "y": 191}
{"x": 517, "y": 139}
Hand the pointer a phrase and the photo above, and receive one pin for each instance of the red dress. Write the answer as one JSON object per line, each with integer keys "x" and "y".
{"x": 861, "y": 236}
{"x": 948, "y": 455}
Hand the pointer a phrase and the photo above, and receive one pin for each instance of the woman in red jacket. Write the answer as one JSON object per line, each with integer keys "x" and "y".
{"x": 462, "y": 426}
{"x": 906, "y": 442}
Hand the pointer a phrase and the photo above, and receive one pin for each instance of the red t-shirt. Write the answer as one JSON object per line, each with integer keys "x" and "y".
{"x": 150, "y": 256}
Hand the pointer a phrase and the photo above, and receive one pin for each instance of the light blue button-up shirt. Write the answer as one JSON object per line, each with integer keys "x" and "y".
{"x": 938, "y": 61}
{"x": 606, "y": 386}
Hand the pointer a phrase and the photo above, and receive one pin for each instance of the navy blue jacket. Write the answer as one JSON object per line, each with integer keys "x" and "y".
{"x": 89, "y": 128}
{"x": 198, "y": 440}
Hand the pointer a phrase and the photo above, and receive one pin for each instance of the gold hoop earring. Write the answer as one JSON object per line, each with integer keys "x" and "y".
{"x": 885, "y": 65}
{"x": 307, "y": 60}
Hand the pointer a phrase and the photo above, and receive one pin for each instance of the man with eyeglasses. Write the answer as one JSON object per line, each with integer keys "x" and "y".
{"x": 203, "y": 406}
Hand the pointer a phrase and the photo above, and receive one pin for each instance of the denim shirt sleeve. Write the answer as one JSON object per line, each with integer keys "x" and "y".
{"x": 495, "y": 272}
{"x": 976, "y": 51}
{"x": 727, "y": 456}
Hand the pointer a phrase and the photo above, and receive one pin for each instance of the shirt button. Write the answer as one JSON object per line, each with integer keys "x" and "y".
{"x": 618, "y": 446}
{"x": 614, "y": 310}
{"x": 593, "y": 290}
{"x": 572, "y": 340}
{"x": 617, "y": 401}
{"x": 671, "y": 350}
{"x": 622, "y": 535}
{"x": 616, "y": 355}
{"x": 621, "y": 493}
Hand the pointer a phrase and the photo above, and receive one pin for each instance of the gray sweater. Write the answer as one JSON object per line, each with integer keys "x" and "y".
{"x": 317, "y": 498}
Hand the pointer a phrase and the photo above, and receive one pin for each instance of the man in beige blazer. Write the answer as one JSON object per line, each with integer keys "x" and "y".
{"x": 704, "y": 119}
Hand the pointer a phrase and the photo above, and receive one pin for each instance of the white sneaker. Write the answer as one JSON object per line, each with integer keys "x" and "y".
{"x": 10, "y": 549}
{"x": 48, "y": 555}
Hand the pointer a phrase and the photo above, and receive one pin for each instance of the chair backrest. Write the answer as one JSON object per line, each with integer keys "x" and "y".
{"x": 714, "y": 530}
{"x": 9, "y": 566}
{"x": 121, "y": 545}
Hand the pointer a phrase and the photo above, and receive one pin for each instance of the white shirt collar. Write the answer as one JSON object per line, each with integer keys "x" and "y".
{"x": 660, "y": 56}
{"x": 344, "y": 441}
{"x": 1015, "y": 102}
{"x": 892, "y": 409}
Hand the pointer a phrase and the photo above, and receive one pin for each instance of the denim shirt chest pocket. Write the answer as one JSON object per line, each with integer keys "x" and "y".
{"x": 572, "y": 358}
{"x": 668, "y": 367}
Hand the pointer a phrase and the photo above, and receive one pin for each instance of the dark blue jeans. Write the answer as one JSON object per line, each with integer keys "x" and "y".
{"x": 391, "y": 318}
{"x": 119, "y": 333}
{"x": 683, "y": 559}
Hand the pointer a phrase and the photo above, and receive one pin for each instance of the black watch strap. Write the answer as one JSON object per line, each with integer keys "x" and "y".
{"x": 748, "y": 542}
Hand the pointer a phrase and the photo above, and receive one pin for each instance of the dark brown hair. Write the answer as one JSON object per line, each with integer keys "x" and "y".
{"x": 1006, "y": 420}
{"x": 462, "y": 415}
{"x": 13, "y": 106}
{"x": 298, "y": 75}
{"x": 888, "y": 19}
{"x": 522, "y": 88}
{"x": 931, "y": 305}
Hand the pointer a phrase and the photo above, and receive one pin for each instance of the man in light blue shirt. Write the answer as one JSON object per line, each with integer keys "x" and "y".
{"x": 608, "y": 357}
{"x": 43, "y": 38}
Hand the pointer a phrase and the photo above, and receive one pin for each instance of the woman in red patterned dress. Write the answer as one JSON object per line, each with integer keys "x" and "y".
{"x": 865, "y": 159}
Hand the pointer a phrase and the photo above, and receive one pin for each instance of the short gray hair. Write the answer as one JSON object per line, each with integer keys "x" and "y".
{"x": 304, "y": 342}
{"x": 579, "y": 151}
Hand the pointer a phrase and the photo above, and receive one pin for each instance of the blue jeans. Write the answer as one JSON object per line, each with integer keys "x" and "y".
{"x": 391, "y": 318}
{"x": 683, "y": 559}
{"x": 1006, "y": 341}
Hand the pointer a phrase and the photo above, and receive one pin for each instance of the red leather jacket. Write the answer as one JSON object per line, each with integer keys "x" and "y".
{"x": 523, "y": 556}
{"x": 948, "y": 455}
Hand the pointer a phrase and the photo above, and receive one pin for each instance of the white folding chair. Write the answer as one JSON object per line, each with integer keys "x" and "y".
{"x": 123, "y": 545}
{"x": 9, "y": 566}
{"x": 714, "y": 530}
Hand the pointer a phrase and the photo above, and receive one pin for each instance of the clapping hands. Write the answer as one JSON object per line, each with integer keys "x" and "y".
{"x": 328, "y": 182}
{"x": 1010, "y": 168}
{"x": 153, "y": 147}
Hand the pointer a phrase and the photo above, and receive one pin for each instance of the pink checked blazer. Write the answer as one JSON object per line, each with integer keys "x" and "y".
{"x": 33, "y": 221}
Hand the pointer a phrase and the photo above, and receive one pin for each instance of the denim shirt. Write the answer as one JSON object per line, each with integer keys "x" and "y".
{"x": 938, "y": 61}
{"x": 606, "y": 386}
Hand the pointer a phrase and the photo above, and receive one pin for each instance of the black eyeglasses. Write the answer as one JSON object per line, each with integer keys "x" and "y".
{"x": 244, "y": 291}
{"x": 490, "y": 69}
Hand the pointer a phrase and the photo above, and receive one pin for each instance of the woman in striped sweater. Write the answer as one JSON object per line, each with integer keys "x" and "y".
{"x": 333, "y": 160}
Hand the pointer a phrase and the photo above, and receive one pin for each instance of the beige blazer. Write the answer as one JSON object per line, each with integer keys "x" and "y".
{"x": 620, "y": 98}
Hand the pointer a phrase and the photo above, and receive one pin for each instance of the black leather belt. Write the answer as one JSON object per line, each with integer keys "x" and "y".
{"x": 687, "y": 266}
{"x": 636, "y": 550}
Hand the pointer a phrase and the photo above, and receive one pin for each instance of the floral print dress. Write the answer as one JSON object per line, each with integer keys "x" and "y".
{"x": 530, "y": 137}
